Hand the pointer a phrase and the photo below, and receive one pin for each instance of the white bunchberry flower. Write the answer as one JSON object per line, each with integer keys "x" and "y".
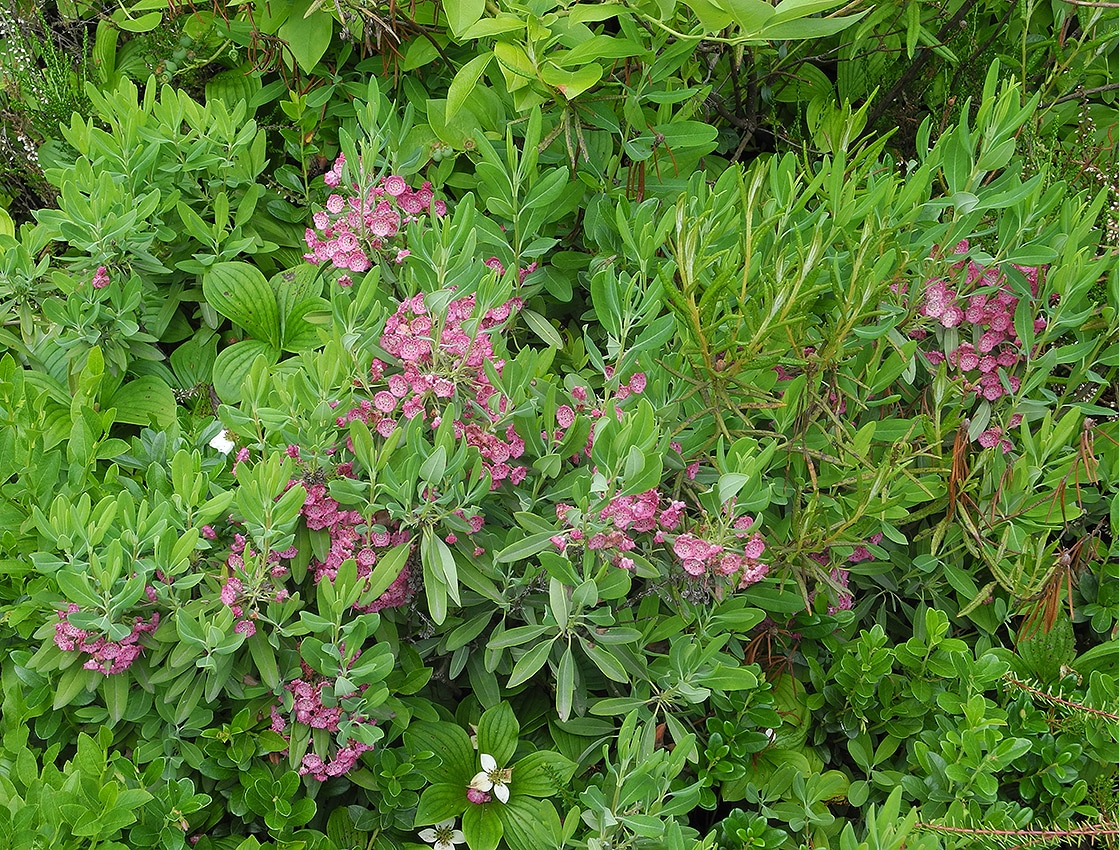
{"x": 493, "y": 778}
{"x": 222, "y": 443}
{"x": 443, "y": 836}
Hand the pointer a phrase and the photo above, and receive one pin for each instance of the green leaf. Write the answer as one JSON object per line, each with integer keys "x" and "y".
{"x": 600, "y": 47}
{"x": 240, "y": 293}
{"x": 115, "y": 691}
{"x": 789, "y": 10}
{"x": 688, "y": 134}
{"x": 497, "y": 733}
{"x": 730, "y": 679}
{"x": 441, "y": 801}
{"x": 234, "y": 364}
{"x": 571, "y": 84}
{"x": 307, "y": 33}
{"x": 144, "y": 23}
{"x": 458, "y": 762}
{"x": 298, "y": 293}
{"x": 387, "y": 569}
{"x": 147, "y": 400}
{"x": 435, "y": 589}
{"x": 264, "y": 657}
{"x": 529, "y": 663}
{"x": 565, "y": 684}
{"x": 76, "y": 588}
{"x": 810, "y": 27}
{"x": 525, "y": 548}
{"x": 750, "y": 15}
{"x": 72, "y": 682}
{"x": 482, "y": 827}
{"x": 528, "y": 824}
{"x": 464, "y": 82}
{"x": 605, "y": 661}
{"x": 542, "y": 328}
{"x": 769, "y": 597}
{"x": 462, "y": 14}
{"x": 537, "y": 774}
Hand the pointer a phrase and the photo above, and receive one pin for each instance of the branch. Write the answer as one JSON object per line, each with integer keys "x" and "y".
{"x": 923, "y": 54}
{"x": 1083, "y": 93}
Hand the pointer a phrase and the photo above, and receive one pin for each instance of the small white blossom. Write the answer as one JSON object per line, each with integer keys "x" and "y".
{"x": 222, "y": 443}
{"x": 443, "y": 836}
{"x": 493, "y": 778}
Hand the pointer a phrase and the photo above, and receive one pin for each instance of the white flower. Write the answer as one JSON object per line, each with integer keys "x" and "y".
{"x": 443, "y": 836}
{"x": 222, "y": 443}
{"x": 493, "y": 778}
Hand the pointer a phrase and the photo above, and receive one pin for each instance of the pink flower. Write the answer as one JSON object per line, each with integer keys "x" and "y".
{"x": 565, "y": 416}
{"x": 477, "y": 797}
{"x": 230, "y": 591}
{"x": 952, "y": 316}
{"x": 395, "y": 185}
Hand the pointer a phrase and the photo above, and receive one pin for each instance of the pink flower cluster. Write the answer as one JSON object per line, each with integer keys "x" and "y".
{"x": 499, "y": 267}
{"x": 233, "y": 592}
{"x": 617, "y": 522}
{"x": 721, "y": 556}
{"x": 354, "y": 227}
{"x": 995, "y": 436}
{"x": 443, "y": 360}
{"x": 308, "y": 709}
{"x": 345, "y": 758}
{"x": 565, "y": 414}
{"x": 100, "y": 278}
{"x": 352, "y": 537}
{"x": 987, "y": 315}
{"x": 105, "y": 656}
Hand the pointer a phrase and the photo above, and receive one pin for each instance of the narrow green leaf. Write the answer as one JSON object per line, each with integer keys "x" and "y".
{"x": 605, "y": 661}
{"x": 565, "y": 684}
{"x": 464, "y": 83}
{"x": 529, "y": 663}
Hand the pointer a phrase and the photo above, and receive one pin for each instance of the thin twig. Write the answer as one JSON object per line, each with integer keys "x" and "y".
{"x": 1048, "y": 697}
{"x": 1101, "y": 829}
{"x": 1083, "y": 93}
{"x": 950, "y": 28}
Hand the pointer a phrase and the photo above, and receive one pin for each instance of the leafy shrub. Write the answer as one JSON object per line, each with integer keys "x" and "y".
{"x": 553, "y": 473}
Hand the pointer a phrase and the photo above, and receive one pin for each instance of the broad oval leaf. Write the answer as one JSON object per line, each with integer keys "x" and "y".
{"x": 240, "y": 293}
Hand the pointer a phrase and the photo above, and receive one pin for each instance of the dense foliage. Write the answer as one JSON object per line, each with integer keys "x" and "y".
{"x": 532, "y": 425}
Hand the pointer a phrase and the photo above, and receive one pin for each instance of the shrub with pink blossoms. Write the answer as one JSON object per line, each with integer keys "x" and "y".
{"x": 105, "y": 656}
{"x": 443, "y": 359}
{"x": 980, "y": 304}
{"x": 616, "y": 529}
{"x": 351, "y": 536}
{"x": 712, "y": 549}
{"x": 309, "y": 709}
{"x": 361, "y": 222}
